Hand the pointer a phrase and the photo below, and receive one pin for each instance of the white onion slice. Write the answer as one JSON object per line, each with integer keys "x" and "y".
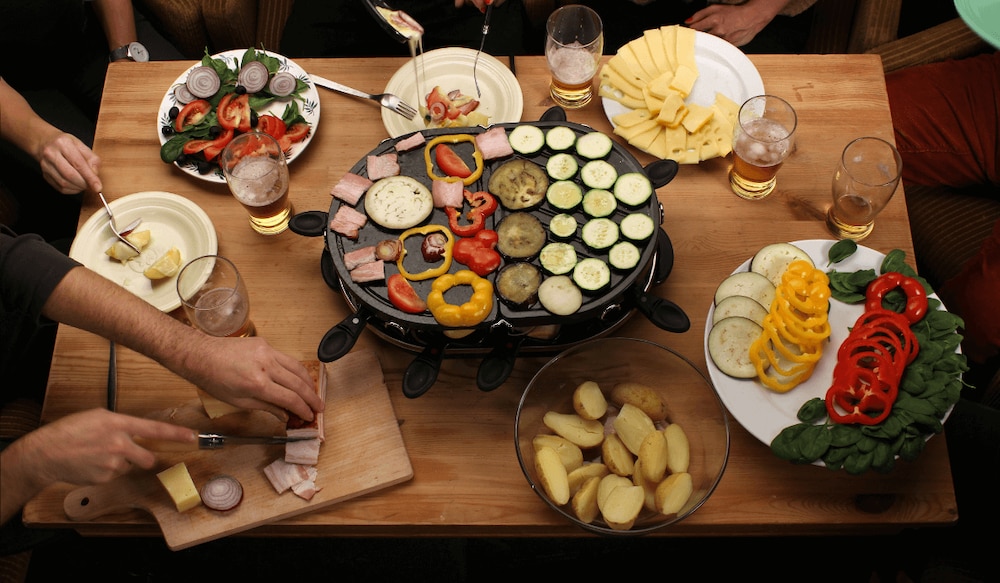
{"x": 283, "y": 83}
{"x": 222, "y": 493}
{"x": 253, "y": 76}
{"x": 203, "y": 82}
{"x": 182, "y": 95}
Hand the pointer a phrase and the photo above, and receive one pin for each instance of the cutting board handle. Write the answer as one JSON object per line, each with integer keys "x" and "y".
{"x": 90, "y": 502}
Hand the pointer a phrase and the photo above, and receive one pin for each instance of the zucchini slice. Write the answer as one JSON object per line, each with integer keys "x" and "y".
{"x": 558, "y": 258}
{"x": 633, "y": 188}
{"x": 594, "y": 146}
{"x": 563, "y": 226}
{"x": 527, "y": 140}
{"x": 624, "y": 255}
{"x": 560, "y": 138}
{"x": 599, "y": 233}
{"x": 591, "y": 274}
{"x": 599, "y": 174}
{"x": 564, "y": 195}
{"x": 637, "y": 227}
{"x": 598, "y": 202}
{"x": 562, "y": 166}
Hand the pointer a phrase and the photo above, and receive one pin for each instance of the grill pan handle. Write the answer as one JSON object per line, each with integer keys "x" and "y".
{"x": 309, "y": 223}
{"x": 339, "y": 340}
{"x": 496, "y": 367}
{"x": 664, "y": 313}
{"x": 661, "y": 172}
{"x": 423, "y": 371}
{"x": 554, "y": 113}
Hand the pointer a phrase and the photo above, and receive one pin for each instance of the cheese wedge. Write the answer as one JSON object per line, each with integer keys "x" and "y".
{"x": 181, "y": 488}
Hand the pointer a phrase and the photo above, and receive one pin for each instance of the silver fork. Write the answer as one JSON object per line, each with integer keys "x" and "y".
{"x": 120, "y": 233}
{"x": 386, "y": 100}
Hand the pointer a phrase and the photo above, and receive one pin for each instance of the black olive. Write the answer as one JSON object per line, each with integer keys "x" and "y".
{"x": 214, "y": 131}
{"x": 253, "y": 118}
{"x": 167, "y": 130}
{"x": 240, "y": 90}
{"x": 204, "y": 166}
{"x": 173, "y": 112}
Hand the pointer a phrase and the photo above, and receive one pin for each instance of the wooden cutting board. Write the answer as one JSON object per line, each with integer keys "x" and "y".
{"x": 363, "y": 452}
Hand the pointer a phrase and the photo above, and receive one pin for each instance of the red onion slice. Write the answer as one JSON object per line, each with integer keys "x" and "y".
{"x": 254, "y": 76}
{"x": 283, "y": 83}
{"x": 203, "y": 82}
{"x": 182, "y": 95}
{"x": 222, "y": 493}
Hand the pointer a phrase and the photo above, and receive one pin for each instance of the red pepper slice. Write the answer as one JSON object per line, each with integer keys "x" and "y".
{"x": 916, "y": 295}
{"x": 483, "y": 205}
{"x": 478, "y": 253}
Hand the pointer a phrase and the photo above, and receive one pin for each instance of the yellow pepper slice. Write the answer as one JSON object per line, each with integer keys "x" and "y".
{"x": 454, "y": 139}
{"x": 446, "y": 255}
{"x": 471, "y": 312}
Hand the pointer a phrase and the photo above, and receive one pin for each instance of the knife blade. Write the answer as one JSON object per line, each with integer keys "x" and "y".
{"x": 217, "y": 441}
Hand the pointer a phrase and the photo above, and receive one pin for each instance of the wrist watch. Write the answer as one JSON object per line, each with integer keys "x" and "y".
{"x": 133, "y": 51}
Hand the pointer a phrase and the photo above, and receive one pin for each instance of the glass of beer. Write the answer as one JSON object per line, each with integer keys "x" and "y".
{"x": 215, "y": 297}
{"x": 864, "y": 182}
{"x": 763, "y": 138}
{"x": 257, "y": 174}
{"x": 574, "y": 44}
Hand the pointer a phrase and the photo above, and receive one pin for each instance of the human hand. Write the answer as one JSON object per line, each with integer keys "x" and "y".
{"x": 92, "y": 447}
{"x": 480, "y": 4}
{"x": 249, "y": 373}
{"x": 68, "y": 164}
{"x": 737, "y": 24}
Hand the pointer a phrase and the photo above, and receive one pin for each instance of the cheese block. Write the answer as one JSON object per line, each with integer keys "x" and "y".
{"x": 178, "y": 483}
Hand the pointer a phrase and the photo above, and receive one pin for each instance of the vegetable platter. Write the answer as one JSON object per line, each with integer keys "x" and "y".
{"x": 504, "y": 326}
{"x": 235, "y": 91}
{"x": 804, "y": 422}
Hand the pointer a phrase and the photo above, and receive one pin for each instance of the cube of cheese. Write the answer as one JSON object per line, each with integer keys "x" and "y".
{"x": 180, "y": 486}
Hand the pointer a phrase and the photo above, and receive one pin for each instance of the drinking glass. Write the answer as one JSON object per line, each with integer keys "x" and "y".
{"x": 864, "y": 182}
{"x": 574, "y": 44}
{"x": 763, "y": 138}
{"x": 257, "y": 173}
{"x": 215, "y": 297}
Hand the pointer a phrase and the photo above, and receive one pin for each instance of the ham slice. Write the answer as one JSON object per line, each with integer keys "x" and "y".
{"x": 448, "y": 193}
{"x": 358, "y": 257}
{"x": 411, "y": 142}
{"x": 383, "y": 166}
{"x": 350, "y": 188}
{"x": 493, "y": 143}
{"x": 284, "y": 475}
{"x": 374, "y": 271}
{"x": 348, "y": 222}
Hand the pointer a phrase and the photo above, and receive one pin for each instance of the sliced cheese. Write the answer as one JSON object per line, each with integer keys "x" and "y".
{"x": 630, "y": 132}
{"x": 645, "y": 58}
{"x": 660, "y": 86}
{"x": 181, "y": 488}
{"x": 653, "y": 103}
{"x": 668, "y": 36}
{"x": 630, "y": 118}
{"x": 683, "y": 80}
{"x": 697, "y": 116}
{"x": 654, "y": 41}
{"x": 630, "y": 59}
{"x": 620, "y": 65}
{"x": 642, "y": 140}
{"x": 672, "y": 111}
{"x": 685, "y": 47}
{"x": 612, "y": 77}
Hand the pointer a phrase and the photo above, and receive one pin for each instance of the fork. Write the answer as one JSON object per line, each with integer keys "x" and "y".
{"x": 386, "y": 100}
{"x": 114, "y": 225}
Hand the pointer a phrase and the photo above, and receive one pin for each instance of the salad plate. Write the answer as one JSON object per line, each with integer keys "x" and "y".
{"x": 451, "y": 69}
{"x": 173, "y": 221}
{"x": 308, "y": 107}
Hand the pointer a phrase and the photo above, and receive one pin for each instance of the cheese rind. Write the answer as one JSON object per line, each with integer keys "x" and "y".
{"x": 178, "y": 483}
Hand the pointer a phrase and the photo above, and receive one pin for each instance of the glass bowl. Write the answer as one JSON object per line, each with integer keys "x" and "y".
{"x": 689, "y": 398}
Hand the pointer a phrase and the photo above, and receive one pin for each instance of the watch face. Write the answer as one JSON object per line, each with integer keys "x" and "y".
{"x": 138, "y": 52}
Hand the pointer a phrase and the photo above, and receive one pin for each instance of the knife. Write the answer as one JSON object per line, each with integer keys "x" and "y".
{"x": 217, "y": 441}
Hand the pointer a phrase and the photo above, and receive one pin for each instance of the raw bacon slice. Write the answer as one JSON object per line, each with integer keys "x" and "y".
{"x": 299, "y": 427}
{"x": 374, "y": 271}
{"x": 383, "y": 166}
{"x": 350, "y": 188}
{"x": 304, "y": 452}
{"x": 411, "y": 142}
{"x": 347, "y": 222}
{"x": 358, "y": 257}
{"x": 448, "y": 193}
{"x": 284, "y": 475}
{"x": 306, "y": 489}
{"x": 493, "y": 143}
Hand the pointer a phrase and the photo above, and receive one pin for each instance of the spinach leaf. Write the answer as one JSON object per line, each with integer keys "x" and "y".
{"x": 841, "y": 250}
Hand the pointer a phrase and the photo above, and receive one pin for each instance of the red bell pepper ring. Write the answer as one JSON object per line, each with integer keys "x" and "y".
{"x": 887, "y": 322}
{"x": 483, "y": 205}
{"x": 871, "y": 408}
{"x": 916, "y": 295}
{"x": 478, "y": 253}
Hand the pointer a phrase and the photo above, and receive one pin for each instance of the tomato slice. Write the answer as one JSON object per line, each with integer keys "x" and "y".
{"x": 298, "y": 131}
{"x": 191, "y": 114}
{"x": 216, "y": 146}
{"x": 272, "y": 125}
{"x": 403, "y": 296}
{"x": 450, "y": 163}
{"x": 234, "y": 112}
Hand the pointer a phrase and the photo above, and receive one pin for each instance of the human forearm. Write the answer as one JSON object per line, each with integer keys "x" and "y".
{"x": 118, "y": 21}
{"x": 18, "y": 486}
{"x": 20, "y": 125}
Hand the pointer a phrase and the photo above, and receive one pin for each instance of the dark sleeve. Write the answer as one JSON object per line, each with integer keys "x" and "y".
{"x": 30, "y": 269}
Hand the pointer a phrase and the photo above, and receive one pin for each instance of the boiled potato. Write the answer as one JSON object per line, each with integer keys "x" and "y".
{"x": 678, "y": 448}
{"x": 616, "y": 456}
{"x": 589, "y": 401}
{"x": 632, "y": 425}
{"x": 642, "y": 396}
{"x": 583, "y": 473}
{"x": 570, "y": 453}
{"x": 674, "y": 492}
{"x": 653, "y": 453}
{"x": 123, "y": 252}
{"x": 585, "y": 500}
{"x": 552, "y": 474}
{"x": 584, "y": 433}
{"x": 622, "y": 506}
{"x": 609, "y": 483}
{"x": 648, "y": 487}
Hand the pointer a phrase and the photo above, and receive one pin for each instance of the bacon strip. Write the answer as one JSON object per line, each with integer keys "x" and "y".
{"x": 350, "y": 188}
{"x": 348, "y": 222}
{"x": 383, "y": 166}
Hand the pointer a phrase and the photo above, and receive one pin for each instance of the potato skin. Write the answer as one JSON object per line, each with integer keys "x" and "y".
{"x": 583, "y": 473}
{"x": 570, "y": 453}
{"x": 585, "y": 500}
{"x": 585, "y": 433}
{"x": 641, "y": 396}
{"x": 653, "y": 453}
{"x": 678, "y": 448}
{"x": 552, "y": 475}
{"x": 632, "y": 425}
{"x": 673, "y": 493}
{"x": 616, "y": 456}
{"x": 622, "y": 506}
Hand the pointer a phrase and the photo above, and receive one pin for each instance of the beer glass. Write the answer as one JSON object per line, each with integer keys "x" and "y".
{"x": 574, "y": 44}
{"x": 763, "y": 138}
{"x": 215, "y": 297}
{"x": 257, "y": 174}
{"x": 864, "y": 182}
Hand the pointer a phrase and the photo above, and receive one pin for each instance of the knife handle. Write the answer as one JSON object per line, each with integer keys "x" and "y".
{"x": 165, "y": 445}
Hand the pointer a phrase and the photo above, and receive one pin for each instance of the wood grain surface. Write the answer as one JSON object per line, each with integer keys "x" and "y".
{"x": 466, "y": 478}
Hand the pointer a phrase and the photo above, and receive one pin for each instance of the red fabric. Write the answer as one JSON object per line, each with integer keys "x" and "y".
{"x": 973, "y": 294}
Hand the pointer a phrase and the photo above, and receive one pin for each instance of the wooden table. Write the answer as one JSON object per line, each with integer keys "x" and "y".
{"x": 467, "y": 481}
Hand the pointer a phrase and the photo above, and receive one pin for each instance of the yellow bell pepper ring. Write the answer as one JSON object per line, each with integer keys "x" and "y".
{"x": 454, "y": 139}
{"x": 445, "y": 255}
{"x": 465, "y": 315}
